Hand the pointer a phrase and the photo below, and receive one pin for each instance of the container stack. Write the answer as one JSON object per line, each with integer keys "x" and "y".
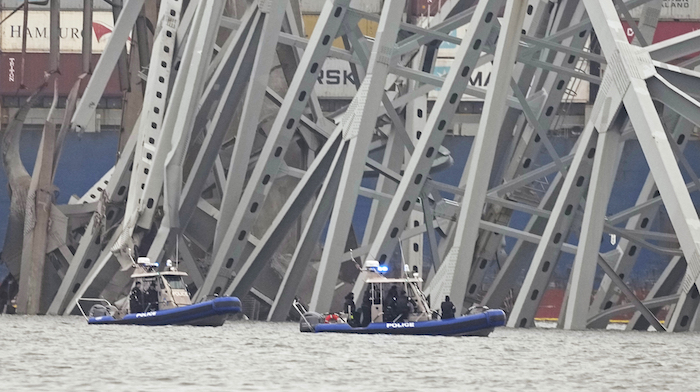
{"x": 21, "y": 74}
{"x": 677, "y": 17}
{"x": 336, "y": 85}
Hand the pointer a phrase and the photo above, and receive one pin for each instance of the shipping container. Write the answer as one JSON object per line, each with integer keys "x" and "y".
{"x": 480, "y": 77}
{"x": 65, "y": 5}
{"x": 37, "y": 31}
{"x": 335, "y": 80}
{"x": 665, "y": 29}
{"x": 425, "y": 7}
{"x": 448, "y": 49}
{"x": 368, "y": 28}
{"x": 315, "y": 6}
{"x": 675, "y": 10}
{"x": 35, "y": 64}
{"x": 577, "y": 91}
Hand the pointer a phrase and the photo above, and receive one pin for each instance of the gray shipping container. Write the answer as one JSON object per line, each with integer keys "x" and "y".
{"x": 315, "y": 6}
{"x": 675, "y": 9}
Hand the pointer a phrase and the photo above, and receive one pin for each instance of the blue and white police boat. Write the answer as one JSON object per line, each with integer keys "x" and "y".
{"x": 398, "y": 306}
{"x": 160, "y": 298}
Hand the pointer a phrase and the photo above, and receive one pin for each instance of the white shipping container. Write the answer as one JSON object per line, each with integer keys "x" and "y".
{"x": 335, "y": 80}
{"x": 480, "y": 77}
{"x": 674, "y": 9}
{"x": 448, "y": 49}
{"x": 315, "y": 6}
{"x": 37, "y": 31}
{"x": 577, "y": 90}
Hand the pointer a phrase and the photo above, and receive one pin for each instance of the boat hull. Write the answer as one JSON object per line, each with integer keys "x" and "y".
{"x": 208, "y": 313}
{"x": 472, "y": 325}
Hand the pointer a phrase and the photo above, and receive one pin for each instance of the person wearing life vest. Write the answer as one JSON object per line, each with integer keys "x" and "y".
{"x": 349, "y": 305}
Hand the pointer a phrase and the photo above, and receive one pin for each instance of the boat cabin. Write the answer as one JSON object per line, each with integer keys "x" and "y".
{"x": 394, "y": 299}
{"x": 153, "y": 290}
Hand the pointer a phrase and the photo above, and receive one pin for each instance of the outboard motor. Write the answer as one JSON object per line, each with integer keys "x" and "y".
{"x": 98, "y": 310}
{"x": 309, "y": 320}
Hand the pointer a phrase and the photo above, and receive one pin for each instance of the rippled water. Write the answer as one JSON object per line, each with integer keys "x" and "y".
{"x": 65, "y": 354}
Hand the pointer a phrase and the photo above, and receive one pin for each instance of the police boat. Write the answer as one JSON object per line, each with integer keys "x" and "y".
{"x": 160, "y": 298}
{"x": 398, "y": 306}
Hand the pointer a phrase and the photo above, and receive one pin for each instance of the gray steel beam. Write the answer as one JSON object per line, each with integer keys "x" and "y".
{"x": 418, "y": 167}
{"x": 271, "y": 157}
{"x": 324, "y": 171}
{"x": 93, "y": 92}
{"x": 148, "y": 156}
{"x": 166, "y": 173}
{"x": 583, "y": 270}
{"x": 358, "y": 130}
{"x": 270, "y": 26}
{"x": 453, "y": 276}
{"x": 633, "y": 67}
{"x": 663, "y": 288}
{"x": 87, "y": 36}
{"x": 559, "y": 223}
{"x": 91, "y": 242}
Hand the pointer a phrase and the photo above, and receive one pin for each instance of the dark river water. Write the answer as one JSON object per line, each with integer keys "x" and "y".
{"x": 65, "y": 354}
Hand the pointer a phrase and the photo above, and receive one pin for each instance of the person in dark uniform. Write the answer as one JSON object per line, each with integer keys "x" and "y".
{"x": 136, "y": 299}
{"x": 349, "y": 305}
{"x": 366, "y": 309}
{"x": 350, "y": 309}
{"x": 390, "y": 312}
{"x": 402, "y": 307}
{"x": 448, "y": 308}
{"x": 150, "y": 299}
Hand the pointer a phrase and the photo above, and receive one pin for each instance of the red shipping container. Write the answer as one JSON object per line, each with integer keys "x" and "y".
{"x": 35, "y": 64}
{"x": 665, "y": 30}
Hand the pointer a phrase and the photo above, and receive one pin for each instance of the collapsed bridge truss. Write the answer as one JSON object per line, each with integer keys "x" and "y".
{"x": 232, "y": 166}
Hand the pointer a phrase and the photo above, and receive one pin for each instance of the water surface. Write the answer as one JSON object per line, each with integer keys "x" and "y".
{"x": 65, "y": 354}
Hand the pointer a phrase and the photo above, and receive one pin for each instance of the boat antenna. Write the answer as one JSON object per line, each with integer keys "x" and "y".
{"x": 353, "y": 259}
{"x": 177, "y": 252}
{"x": 130, "y": 252}
{"x": 403, "y": 259}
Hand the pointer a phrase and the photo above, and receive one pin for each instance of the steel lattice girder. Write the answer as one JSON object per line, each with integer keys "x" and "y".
{"x": 542, "y": 76}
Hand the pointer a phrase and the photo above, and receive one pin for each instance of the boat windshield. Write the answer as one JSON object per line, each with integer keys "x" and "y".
{"x": 175, "y": 282}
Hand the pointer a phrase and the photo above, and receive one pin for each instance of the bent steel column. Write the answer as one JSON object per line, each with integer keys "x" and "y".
{"x": 358, "y": 125}
{"x": 453, "y": 275}
{"x": 235, "y": 239}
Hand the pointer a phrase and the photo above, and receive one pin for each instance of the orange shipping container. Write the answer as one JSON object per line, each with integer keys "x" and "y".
{"x": 368, "y": 28}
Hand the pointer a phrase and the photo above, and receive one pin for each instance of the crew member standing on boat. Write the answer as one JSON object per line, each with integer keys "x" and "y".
{"x": 151, "y": 298}
{"x": 448, "y": 308}
{"x": 366, "y": 313}
{"x": 349, "y": 306}
{"x": 136, "y": 299}
{"x": 402, "y": 306}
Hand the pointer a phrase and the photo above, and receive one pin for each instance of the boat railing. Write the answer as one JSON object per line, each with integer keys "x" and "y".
{"x": 421, "y": 297}
{"x": 77, "y": 302}
{"x": 300, "y": 308}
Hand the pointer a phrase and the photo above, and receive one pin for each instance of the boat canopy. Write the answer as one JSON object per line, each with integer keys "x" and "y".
{"x": 156, "y": 273}
{"x": 382, "y": 280}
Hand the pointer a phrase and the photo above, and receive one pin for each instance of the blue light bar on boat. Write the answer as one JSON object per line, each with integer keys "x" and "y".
{"x": 382, "y": 269}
